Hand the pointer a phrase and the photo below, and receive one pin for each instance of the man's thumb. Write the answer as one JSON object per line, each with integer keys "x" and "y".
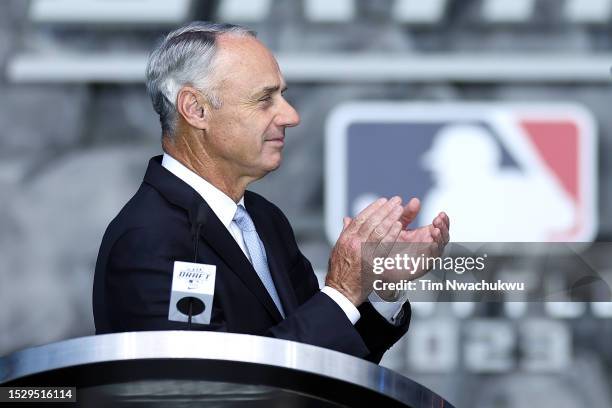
{"x": 410, "y": 211}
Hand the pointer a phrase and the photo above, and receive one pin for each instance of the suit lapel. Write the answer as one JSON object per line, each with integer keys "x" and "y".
{"x": 213, "y": 231}
{"x": 272, "y": 246}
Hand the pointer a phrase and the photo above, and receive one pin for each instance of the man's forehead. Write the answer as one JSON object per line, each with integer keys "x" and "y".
{"x": 241, "y": 47}
{"x": 246, "y": 59}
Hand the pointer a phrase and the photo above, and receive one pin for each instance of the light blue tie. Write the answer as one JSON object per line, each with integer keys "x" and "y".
{"x": 257, "y": 253}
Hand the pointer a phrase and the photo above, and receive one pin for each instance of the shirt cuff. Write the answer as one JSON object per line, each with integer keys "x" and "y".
{"x": 389, "y": 310}
{"x": 346, "y": 305}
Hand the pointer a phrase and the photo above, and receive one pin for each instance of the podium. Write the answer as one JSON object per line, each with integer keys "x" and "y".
{"x": 197, "y": 368}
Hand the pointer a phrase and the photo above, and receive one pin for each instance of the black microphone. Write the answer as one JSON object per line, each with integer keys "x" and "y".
{"x": 193, "y": 283}
{"x": 200, "y": 220}
{"x": 191, "y": 305}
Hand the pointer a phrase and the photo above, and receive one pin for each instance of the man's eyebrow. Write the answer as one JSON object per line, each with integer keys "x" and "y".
{"x": 270, "y": 90}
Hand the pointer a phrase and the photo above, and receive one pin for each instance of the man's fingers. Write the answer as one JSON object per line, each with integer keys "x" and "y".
{"x": 446, "y": 219}
{"x": 410, "y": 211}
{"x": 380, "y": 231}
{"x": 440, "y": 224}
{"x": 387, "y": 243}
{"x": 440, "y": 240}
{"x": 393, "y": 233}
{"x": 363, "y": 216}
{"x": 377, "y": 217}
{"x": 445, "y": 236}
{"x": 436, "y": 234}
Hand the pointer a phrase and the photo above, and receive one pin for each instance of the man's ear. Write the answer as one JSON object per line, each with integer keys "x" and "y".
{"x": 192, "y": 106}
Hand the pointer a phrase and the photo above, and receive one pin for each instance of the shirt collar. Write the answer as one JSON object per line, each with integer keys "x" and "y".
{"x": 221, "y": 204}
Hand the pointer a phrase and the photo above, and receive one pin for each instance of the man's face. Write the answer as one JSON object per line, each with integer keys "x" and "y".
{"x": 247, "y": 132}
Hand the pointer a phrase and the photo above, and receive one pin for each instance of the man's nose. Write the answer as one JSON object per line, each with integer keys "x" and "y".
{"x": 288, "y": 116}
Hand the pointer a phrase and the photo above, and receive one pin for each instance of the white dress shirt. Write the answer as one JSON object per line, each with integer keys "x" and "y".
{"x": 225, "y": 208}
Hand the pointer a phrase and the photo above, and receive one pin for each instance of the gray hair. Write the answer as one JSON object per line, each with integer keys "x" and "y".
{"x": 185, "y": 57}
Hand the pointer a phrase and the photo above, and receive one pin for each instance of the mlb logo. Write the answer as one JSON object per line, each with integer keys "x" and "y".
{"x": 503, "y": 172}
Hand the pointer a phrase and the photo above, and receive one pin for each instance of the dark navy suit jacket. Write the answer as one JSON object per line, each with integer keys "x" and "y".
{"x": 156, "y": 227}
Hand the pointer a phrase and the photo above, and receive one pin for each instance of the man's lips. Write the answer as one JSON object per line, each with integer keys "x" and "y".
{"x": 280, "y": 139}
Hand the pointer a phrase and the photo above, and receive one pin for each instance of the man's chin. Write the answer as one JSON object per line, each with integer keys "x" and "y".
{"x": 267, "y": 167}
{"x": 274, "y": 162}
{"x": 274, "y": 166}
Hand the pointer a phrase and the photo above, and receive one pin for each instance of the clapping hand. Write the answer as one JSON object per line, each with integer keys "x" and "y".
{"x": 382, "y": 222}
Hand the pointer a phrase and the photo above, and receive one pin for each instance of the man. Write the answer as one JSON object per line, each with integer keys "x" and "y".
{"x": 219, "y": 94}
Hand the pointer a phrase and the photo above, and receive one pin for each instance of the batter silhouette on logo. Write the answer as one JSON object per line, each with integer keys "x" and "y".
{"x": 488, "y": 202}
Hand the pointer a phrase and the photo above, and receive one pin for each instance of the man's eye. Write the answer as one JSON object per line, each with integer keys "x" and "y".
{"x": 265, "y": 99}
